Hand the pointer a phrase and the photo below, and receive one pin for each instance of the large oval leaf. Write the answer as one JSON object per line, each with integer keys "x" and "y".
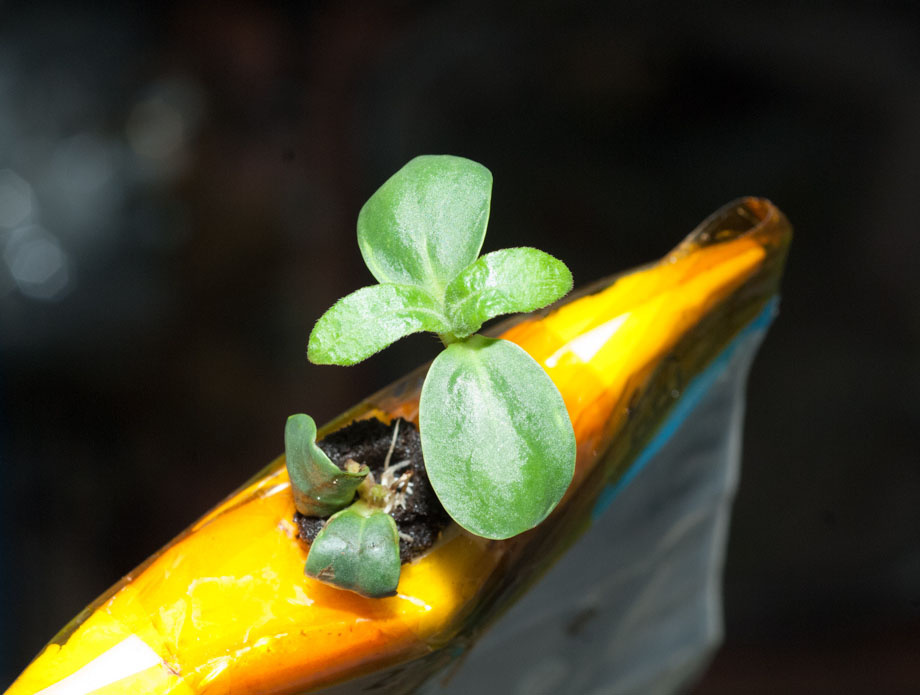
{"x": 497, "y": 440}
{"x": 504, "y": 282}
{"x": 369, "y": 319}
{"x": 427, "y": 222}
{"x": 320, "y": 487}
{"x": 357, "y": 549}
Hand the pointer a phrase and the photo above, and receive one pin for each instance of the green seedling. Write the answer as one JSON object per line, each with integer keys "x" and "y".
{"x": 358, "y": 548}
{"x": 497, "y": 441}
{"x": 320, "y": 487}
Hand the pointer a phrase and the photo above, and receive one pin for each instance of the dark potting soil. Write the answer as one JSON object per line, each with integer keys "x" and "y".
{"x": 422, "y": 518}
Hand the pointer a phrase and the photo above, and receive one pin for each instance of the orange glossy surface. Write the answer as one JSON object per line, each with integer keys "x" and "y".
{"x": 227, "y": 603}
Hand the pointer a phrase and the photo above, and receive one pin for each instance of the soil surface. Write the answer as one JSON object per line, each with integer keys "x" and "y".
{"x": 421, "y": 518}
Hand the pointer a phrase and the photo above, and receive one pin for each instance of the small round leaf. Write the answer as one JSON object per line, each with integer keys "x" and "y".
{"x": 427, "y": 222}
{"x": 497, "y": 440}
{"x": 358, "y": 550}
{"x": 504, "y": 282}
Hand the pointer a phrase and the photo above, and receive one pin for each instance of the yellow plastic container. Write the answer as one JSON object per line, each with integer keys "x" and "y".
{"x": 225, "y": 607}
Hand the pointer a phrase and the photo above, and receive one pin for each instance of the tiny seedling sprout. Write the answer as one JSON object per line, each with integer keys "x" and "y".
{"x": 497, "y": 441}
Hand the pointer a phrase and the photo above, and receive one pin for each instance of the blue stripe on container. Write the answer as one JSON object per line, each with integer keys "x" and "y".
{"x": 691, "y": 397}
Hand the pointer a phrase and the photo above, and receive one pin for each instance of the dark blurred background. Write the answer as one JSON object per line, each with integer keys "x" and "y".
{"x": 178, "y": 193}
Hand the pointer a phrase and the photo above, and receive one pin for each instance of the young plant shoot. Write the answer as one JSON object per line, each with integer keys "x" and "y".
{"x": 498, "y": 445}
{"x": 358, "y": 548}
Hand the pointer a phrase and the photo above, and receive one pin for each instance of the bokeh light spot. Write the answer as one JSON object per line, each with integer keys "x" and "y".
{"x": 155, "y": 129}
{"x": 15, "y": 199}
{"x": 37, "y": 263}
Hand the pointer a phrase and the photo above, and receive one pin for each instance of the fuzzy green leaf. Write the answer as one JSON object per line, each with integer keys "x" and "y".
{"x": 320, "y": 487}
{"x": 427, "y": 222}
{"x": 504, "y": 282}
{"x": 370, "y": 319}
{"x": 498, "y": 443}
{"x": 357, "y": 549}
